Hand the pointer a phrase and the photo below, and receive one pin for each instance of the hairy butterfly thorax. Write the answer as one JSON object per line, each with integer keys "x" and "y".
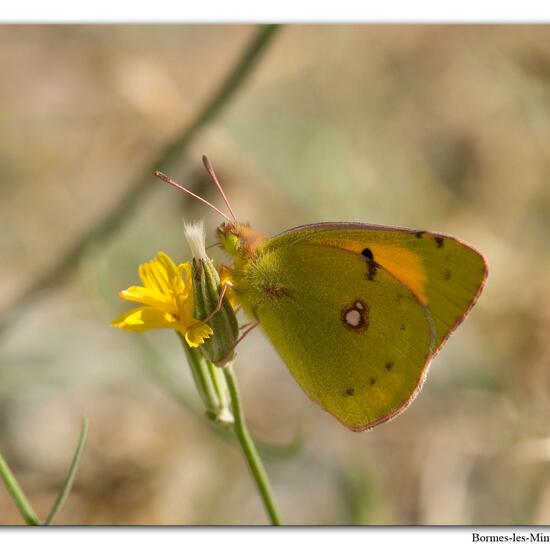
{"x": 255, "y": 277}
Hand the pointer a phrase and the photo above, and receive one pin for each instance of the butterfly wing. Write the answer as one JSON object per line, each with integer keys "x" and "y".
{"x": 357, "y": 340}
{"x": 445, "y": 274}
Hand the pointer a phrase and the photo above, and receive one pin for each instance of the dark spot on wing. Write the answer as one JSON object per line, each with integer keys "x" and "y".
{"x": 400, "y": 303}
{"x": 371, "y": 264}
{"x": 419, "y": 234}
{"x": 439, "y": 242}
{"x": 402, "y": 326}
{"x": 372, "y": 268}
{"x": 367, "y": 252}
{"x": 448, "y": 274}
{"x": 389, "y": 365}
{"x": 349, "y": 392}
{"x": 372, "y": 381}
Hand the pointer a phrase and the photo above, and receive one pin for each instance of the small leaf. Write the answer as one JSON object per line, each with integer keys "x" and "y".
{"x": 69, "y": 480}
{"x": 17, "y": 494}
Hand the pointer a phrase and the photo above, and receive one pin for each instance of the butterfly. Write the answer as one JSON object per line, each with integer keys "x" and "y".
{"x": 356, "y": 311}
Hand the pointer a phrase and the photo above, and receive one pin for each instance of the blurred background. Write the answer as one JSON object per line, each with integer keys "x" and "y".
{"x": 434, "y": 127}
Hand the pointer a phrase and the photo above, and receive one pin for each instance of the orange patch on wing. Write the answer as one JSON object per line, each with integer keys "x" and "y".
{"x": 404, "y": 265}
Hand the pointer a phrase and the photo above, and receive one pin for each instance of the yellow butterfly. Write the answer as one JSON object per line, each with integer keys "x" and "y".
{"x": 356, "y": 311}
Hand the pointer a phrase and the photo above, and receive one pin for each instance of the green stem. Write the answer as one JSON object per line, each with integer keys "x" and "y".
{"x": 136, "y": 191}
{"x": 249, "y": 449}
{"x": 17, "y": 494}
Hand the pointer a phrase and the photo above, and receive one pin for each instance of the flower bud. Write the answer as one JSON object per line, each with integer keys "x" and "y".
{"x": 207, "y": 290}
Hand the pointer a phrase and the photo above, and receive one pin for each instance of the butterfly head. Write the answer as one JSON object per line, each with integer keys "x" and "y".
{"x": 240, "y": 240}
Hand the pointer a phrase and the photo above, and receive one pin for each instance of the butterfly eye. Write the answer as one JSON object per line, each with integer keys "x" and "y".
{"x": 367, "y": 252}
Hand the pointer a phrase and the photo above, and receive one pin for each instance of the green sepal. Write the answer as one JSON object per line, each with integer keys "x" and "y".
{"x": 219, "y": 348}
{"x": 211, "y": 385}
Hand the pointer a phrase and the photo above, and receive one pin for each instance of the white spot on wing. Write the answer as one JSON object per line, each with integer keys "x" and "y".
{"x": 353, "y": 317}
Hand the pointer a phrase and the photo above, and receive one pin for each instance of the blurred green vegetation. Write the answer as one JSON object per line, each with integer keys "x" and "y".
{"x": 436, "y": 127}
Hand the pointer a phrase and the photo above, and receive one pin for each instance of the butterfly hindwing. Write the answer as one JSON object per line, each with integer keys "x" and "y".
{"x": 356, "y": 339}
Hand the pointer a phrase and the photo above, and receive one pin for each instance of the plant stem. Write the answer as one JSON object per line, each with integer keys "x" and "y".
{"x": 17, "y": 494}
{"x": 249, "y": 449}
{"x": 207, "y": 380}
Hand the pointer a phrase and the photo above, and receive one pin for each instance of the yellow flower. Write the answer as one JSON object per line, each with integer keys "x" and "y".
{"x": 167, "y": 298}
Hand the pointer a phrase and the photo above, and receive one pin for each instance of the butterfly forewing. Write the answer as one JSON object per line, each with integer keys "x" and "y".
{"x": 444, "y": 273}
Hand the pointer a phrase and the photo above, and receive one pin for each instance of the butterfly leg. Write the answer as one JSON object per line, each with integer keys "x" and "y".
{"x": 251, "y": 326}
{"x": 220, "y": 302}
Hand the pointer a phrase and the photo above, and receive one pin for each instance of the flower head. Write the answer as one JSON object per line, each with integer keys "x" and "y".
{"x": 167, "y": 298}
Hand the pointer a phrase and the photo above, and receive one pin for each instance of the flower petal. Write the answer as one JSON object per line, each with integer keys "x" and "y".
{"x": 184, "y": 278}
{"x": 167, "y": 298}
{"x": 146, "y": 277}
{"x": 157, "y": 274}
{"x": 149, "y": 297}
{"x": 197, "y": 333}
{"x": 184, "y": 295}
{"x": 168, "y": 269}
{"x": 141, "y": 319}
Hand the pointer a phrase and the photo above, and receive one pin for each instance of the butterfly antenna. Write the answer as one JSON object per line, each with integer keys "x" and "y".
{"x": 212, "y": 174}
{"x": 171, "y": 182}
